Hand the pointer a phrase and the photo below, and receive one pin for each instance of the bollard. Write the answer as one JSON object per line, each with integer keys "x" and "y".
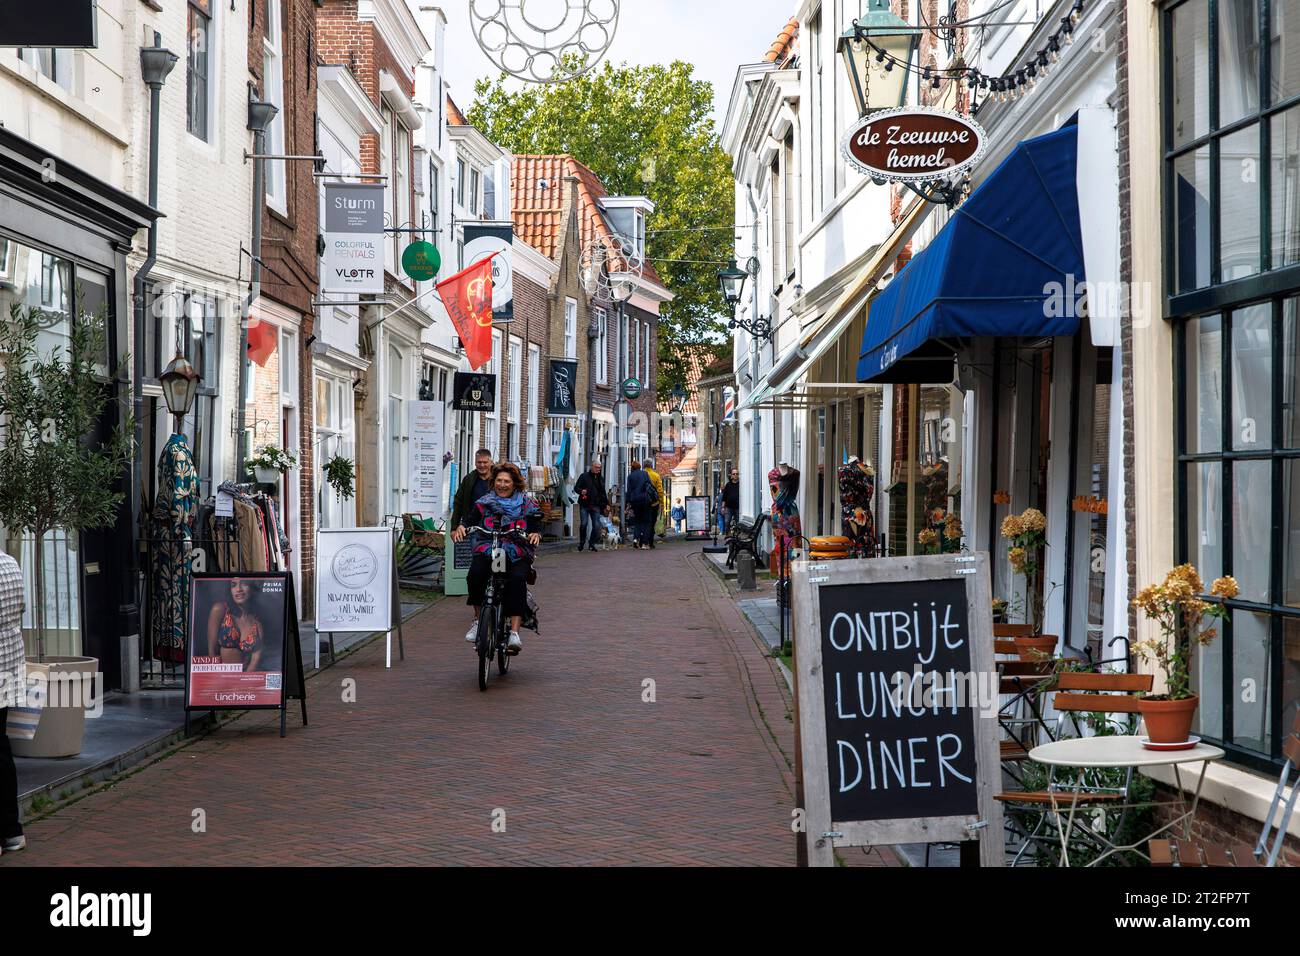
{"x": 745, "y": 571}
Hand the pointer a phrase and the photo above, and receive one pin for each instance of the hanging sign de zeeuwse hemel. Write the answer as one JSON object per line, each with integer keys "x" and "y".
{"x": 913, "y": 144}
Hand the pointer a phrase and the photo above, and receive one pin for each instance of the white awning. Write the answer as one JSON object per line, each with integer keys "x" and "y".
{"x": 794, "y": 363}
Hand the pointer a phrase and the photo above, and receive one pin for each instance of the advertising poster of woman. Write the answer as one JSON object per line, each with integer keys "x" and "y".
{"x": 235, "y": 657}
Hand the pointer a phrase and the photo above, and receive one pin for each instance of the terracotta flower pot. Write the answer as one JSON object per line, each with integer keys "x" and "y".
{"x": 1168, "y": 721}
{"x": 1037, "y": 647}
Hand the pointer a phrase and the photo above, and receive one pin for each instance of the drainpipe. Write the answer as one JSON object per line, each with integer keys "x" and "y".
{"x": 260, "y": 115}
{"x": 753, "y": 370}
{"x": 156, "y": 62}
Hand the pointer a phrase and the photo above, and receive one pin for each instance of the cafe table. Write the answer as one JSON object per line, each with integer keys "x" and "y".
{"x": 1120, "y": 752}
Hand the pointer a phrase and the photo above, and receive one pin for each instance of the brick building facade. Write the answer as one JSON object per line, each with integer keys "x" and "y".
{"x": 282, "y": 70}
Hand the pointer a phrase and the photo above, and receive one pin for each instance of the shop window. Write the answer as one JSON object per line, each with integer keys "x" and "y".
{"x": 1230, "y": 143}
{"x": 1239, "y": 508}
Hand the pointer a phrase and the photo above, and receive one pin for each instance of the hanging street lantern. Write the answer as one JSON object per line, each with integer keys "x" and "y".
{"x": 180, "y": 383}
{"x": 731, "y": 281}
{"x": 880, "y": 40}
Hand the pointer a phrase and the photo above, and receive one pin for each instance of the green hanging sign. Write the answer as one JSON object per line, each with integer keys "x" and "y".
{"x": 632, "y": 388}
{"x": 421, "y": 261}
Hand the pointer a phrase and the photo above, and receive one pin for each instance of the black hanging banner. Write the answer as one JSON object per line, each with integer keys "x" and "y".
{"x": 474, "y": 392}
{"x": 562, "y": 389}
{"x": 63, "y": 24}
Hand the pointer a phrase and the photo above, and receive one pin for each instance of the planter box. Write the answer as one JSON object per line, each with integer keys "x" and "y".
{"x": 62, "y": 728}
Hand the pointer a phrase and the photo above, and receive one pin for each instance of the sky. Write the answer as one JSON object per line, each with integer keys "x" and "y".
{"x": 717, "y": 36}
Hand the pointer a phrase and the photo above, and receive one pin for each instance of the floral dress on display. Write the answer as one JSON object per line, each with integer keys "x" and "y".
{"x": 857, "y": 493}
{"x": 171, "y": 526}
{"x": 786, "y": 528}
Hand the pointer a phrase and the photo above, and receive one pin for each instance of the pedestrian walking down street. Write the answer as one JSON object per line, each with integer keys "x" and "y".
{"x": 13, "y": 678}
{"x": 640, "y": 497}
{"x": 593, "y": 502}
{"x": 657, "y": 506}
{"x": 730, "y": 509}
{"x": 678, "y": 515}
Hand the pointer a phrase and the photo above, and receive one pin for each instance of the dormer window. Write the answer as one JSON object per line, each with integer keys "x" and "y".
{"x": 627, "y": 215}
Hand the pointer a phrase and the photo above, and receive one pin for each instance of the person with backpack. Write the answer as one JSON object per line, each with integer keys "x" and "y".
{"x": 657, "y": 504}
{"x": 640, "y": 497}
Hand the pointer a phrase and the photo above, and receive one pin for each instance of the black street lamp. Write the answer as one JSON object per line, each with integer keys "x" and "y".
{"x": 879, "y": 40}
{"x": 180, "y": 383}
{"x": 731, "y": 281}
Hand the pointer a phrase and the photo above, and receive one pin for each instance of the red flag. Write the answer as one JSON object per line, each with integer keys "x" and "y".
{"x": 262, "y": 339}
{"x": 468, "y": 298}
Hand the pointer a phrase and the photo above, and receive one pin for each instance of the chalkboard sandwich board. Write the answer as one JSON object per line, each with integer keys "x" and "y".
{"x": 897, "y": 698}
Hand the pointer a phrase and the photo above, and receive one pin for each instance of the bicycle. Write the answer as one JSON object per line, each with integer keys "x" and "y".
{"x": 493, "y": 635}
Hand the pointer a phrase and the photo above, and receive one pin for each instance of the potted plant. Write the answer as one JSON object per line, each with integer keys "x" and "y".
{"x": 1186, "y": 620}
{"x": 1027, "y": 534}
{"x": 52, "y": 478}
{"x": 340, "y": 474}
{"x": 270, "y": 463}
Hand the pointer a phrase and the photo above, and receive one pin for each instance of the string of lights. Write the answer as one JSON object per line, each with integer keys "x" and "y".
{"x": 1010, "y": 85}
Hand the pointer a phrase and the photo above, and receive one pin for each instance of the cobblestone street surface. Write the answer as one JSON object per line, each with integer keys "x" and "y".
{"x": 564, "y": 749}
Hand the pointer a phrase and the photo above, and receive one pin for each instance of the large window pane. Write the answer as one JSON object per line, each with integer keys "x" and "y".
{"x": 1290, "y": 505}
{"x": 1204, "y": 373}
{"x": 1238, "y": 59}
{"x": 1191, "y": 71}
{"x": 1290, "y": 669}
{"x": 1284, "y": 187}
{"x": 1239, "y": 222}
{"x": 1290, "y": 378}
{"x": 1192, "y": 220}
{"x": 1284, "y": 61}
{"x": 1207, "y": 684}
{"x": 1205, "y": 517}
{"x": 1252, "y": 528}
{"x": 1252, "y": 377}
{"x": 1252, "y": 641}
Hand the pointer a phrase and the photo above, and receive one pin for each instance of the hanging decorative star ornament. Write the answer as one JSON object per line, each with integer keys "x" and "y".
{"x": 544, "y": 41}
{"x": 610, "y": 268}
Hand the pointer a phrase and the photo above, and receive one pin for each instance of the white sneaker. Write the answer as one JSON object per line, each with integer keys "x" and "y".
{"x": 516, "y": 643}
{"x": 472, "y": 634}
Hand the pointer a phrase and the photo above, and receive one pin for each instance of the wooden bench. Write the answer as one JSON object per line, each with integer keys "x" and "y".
{"x": 1174, "y": 852}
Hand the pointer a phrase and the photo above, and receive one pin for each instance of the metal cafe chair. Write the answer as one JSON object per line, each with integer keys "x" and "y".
{"x": 1076, "y": 694}
{"x": 1175, "y": 852}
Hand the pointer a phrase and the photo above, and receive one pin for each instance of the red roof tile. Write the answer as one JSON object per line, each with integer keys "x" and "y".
{"x": 454, "y": 116}
{"x": 537, "y": 210}
{"x": 783, "y": 47}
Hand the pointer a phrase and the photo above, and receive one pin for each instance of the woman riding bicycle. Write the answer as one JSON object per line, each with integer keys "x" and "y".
{"x": 505, "y": 508}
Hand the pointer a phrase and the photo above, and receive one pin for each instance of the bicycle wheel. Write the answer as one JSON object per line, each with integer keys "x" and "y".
{"x": 503, "y": 657}
{"x": 487, "y": 626}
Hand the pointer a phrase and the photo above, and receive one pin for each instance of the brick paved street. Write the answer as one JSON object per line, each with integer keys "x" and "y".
{"x": 585, "y": 771}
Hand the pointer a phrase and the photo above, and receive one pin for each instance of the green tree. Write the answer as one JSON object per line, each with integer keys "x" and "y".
{"x": 51, "y": 475}
{"x": 644, "y": 130}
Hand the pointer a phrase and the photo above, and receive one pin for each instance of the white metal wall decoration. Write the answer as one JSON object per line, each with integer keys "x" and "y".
{"x": 544, "y": 41}
{"x": 611, "y": 268}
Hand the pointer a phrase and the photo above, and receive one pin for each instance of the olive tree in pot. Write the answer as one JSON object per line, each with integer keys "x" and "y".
{"x": 52, "y": 477}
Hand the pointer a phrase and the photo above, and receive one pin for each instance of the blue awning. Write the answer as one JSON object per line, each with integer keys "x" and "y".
{"x": 991, "y": 271}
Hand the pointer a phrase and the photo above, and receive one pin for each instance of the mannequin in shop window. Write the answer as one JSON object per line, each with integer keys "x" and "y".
{"x": 786, "y": 529}
{"x": 857, "y": 494}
